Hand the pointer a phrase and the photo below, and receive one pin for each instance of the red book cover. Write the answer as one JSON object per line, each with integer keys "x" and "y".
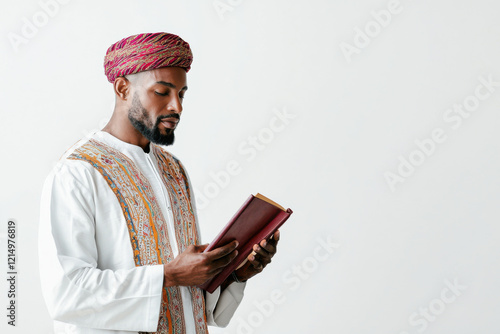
{"x": 257, "y": 219}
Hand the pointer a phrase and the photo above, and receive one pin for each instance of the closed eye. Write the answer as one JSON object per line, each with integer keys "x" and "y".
{"x": 161, "y": 94}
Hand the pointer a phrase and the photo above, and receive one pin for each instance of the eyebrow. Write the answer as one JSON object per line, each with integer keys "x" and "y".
{"x": 169, "y": 84}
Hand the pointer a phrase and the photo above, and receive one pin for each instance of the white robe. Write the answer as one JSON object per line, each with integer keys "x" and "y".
{"x": 89, "y": 278}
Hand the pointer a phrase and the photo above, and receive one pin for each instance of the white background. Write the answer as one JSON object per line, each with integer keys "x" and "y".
{"x": 355, "y": 117}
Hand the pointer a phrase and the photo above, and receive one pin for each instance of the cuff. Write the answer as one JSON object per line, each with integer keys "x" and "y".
{"x": 221, "y": 306}
{"x": 152, "y": 316}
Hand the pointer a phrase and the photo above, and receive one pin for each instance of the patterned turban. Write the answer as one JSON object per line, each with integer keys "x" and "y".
{"x": 146, "y": 52}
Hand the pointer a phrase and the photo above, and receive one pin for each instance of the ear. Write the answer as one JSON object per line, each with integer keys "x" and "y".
{"x": 122, "y": 87}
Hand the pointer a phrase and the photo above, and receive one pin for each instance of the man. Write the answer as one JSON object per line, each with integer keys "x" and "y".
{"x": 119, "y": 242}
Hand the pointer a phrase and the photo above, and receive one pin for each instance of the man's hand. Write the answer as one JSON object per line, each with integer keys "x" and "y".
{"x": 193, "y": 267}
{"x": 259, "y": 258}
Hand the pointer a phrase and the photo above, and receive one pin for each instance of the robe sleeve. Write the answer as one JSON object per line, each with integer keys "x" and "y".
{"x": 76, "y": 291}
{"x": 221, "y": 306}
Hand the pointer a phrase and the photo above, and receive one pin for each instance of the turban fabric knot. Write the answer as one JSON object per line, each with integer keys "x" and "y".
{"x": 146, "y": 52}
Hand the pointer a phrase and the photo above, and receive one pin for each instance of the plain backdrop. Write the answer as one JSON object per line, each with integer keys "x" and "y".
{"x": 360, "y": 87}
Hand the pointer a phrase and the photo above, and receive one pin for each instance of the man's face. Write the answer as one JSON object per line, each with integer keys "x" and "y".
{"x": 156, "y": 103}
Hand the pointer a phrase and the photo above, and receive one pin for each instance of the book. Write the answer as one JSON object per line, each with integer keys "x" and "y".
{"x": 257, "y": 219}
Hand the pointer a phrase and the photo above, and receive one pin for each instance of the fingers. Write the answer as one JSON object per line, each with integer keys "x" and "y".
{"x": 193, "y": 266}
{"x": 224, "y": 261}
{"x": 257, "y": 262}
{"x": 222, "y": 256}
{"x": 266, "y": 246}
{"x": 222, "y": 251}
{"x": 263, "y": 252}
{"x": 271, "y": 243}
{"x": 260, "y": 257}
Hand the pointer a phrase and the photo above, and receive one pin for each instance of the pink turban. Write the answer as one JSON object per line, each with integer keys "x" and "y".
{"x": 146, "y": 52}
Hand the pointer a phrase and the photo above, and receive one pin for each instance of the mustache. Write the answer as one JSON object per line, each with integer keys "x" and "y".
{"x": 162, "y": 117}
{"x": 159, "y": 118}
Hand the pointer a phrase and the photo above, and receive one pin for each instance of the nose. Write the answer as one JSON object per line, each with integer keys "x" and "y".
{"x": 175, "y": 105}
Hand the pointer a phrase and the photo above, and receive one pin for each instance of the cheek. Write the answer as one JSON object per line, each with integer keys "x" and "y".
{"x": 153, "y": 108}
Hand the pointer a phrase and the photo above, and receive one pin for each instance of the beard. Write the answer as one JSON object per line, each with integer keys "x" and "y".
{"x": 141, "y": 120}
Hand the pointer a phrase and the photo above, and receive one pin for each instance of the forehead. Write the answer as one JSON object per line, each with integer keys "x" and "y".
{"x": 172, "y": 75}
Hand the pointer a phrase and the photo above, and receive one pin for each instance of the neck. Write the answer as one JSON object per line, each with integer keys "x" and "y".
{"x": 120, "y": 127}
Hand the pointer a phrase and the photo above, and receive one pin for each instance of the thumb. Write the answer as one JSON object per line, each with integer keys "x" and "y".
{"x": 200, "y": 248}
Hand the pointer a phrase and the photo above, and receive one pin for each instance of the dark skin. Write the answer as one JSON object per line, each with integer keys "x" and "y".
{"x": 161, "y": 92}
